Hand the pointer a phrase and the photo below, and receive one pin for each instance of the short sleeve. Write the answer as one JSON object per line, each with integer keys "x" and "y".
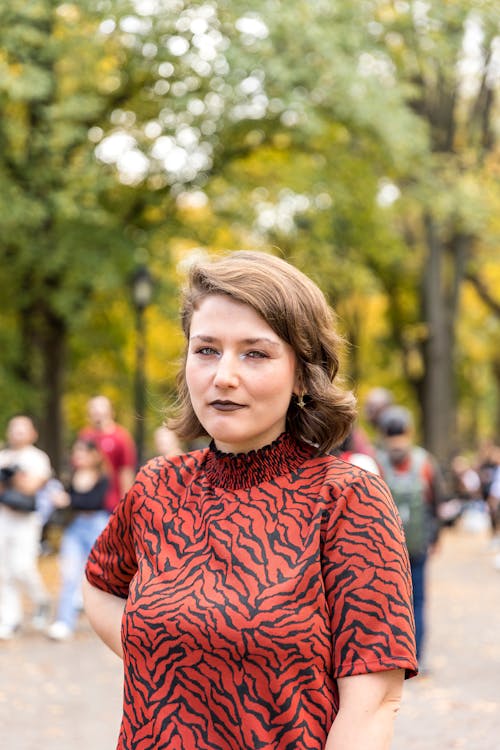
{"x": 367, "y": 580}
{"x": 112, "y": 562}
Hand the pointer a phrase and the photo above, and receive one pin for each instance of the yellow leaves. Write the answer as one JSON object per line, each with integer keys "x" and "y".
{"x": 16, "y": 129}
{"x": 69, "y": 12}
{"x": 165, "y": 346}
{"x": 195, "y": 212}
{"x": 15, "y": 69}
{"x": 182, "y": 249}
{"x": 282, "y": 140}
{"x": 108, "y": 64}
{"x": 24, "y": 82}
{"x": 493, "y": 164}
{"x": 109, "y": 77}
{"x": 387, "y": 13}
{"x": 153, "y": 214}
{"x": 109, "y": 84}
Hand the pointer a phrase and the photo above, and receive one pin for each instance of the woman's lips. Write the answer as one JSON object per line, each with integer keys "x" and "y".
{"x": 226, "y": 405}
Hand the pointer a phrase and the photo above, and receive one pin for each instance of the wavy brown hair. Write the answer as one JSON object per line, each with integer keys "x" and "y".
{"x": 297, "y": 311}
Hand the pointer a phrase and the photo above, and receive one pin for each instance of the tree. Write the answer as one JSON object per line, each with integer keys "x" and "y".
{"x": 435, "y": 68}
{"x": 58, "y": 237}
{"x": 444, "y": 55}
{"x": 301, "y": 155}
{"x": 69, "y": 231}
{"x": 147, "y": 128}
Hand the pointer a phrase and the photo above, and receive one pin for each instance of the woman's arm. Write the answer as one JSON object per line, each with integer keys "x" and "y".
{"x": 368, "y": 706}
{"x": 105, "y": 612}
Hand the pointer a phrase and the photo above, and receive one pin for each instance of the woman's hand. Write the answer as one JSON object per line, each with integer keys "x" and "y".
{"x": 60, "y": 499}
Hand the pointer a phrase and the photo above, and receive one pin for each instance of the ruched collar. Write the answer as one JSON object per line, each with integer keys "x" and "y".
{"x": 244, "y": 470}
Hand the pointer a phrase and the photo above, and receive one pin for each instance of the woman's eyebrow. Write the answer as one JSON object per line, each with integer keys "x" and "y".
{"x": 246, "y": 342}
{"x": 202, "y": 337}
{"x": 260, "y": 340}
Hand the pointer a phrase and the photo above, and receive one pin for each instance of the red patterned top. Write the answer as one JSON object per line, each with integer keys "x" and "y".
{"x": 252, "y": 583}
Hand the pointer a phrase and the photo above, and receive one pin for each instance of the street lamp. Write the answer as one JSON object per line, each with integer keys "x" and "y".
{"x": 142, "y": 293}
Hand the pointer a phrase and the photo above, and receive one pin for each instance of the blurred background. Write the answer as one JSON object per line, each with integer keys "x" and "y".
{"x": 360, "y": 140}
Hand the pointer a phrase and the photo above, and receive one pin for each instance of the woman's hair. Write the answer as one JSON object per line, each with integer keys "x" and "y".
{"x": 297, "y": 311}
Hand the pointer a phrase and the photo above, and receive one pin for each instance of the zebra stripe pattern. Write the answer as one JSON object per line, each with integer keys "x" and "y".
{"x": 253, "y": 582}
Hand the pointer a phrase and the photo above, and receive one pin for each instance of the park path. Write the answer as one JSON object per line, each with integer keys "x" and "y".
{"x": 458, "y": 704}
{"x": 67, "y": 696}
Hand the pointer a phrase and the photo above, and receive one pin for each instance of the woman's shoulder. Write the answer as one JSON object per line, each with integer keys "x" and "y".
{"x": 181, "y": 465}
{"x": 352, "y": 492}
{"x": 345, "y": 476}
{"x": 338, "y": 468}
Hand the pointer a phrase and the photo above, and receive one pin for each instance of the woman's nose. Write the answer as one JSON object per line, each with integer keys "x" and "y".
{"x": 226, "y": 374}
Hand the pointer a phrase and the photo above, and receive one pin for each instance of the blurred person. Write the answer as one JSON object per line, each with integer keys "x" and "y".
{"x": 258, "y": 590}
{"x": 350, "y": 451}
{"x": 487, "y": 461}
{"x": 115, "y": 443}
{"x": 466, "y": 483}
{"x": 166, "y": 442}
{"x": 46, "y": 508}
{"x": 493, "y": 502}
{"x": 376, "y": 401}
{"x": 85, "y": 501}
{"x": 24, "y": 470}
{"x": 360, "y": 443}
{"x": 415, "y": 482}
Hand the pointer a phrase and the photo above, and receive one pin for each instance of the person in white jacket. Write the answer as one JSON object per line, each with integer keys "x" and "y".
{"x": 24, "y": 470}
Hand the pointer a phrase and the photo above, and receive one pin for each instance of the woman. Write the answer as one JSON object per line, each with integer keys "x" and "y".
{"x": 258, "y": 590}
{"x": 85, "y": 500}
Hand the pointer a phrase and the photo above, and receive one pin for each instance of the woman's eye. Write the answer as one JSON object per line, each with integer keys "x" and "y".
{"x": 205, "y": 351}
{"x": 256, "y": 355}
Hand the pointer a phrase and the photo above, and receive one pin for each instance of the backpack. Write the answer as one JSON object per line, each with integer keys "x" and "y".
{"x": 408, "y": 490}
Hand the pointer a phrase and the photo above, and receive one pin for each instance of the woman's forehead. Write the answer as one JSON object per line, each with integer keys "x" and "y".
{"x": 218, "y": 311}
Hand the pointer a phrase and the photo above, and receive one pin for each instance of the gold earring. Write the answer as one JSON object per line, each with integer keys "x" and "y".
{"x": 300, "y": 401}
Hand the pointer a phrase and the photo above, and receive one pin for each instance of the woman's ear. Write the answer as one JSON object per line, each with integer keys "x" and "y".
{"x": 298, "y": 387}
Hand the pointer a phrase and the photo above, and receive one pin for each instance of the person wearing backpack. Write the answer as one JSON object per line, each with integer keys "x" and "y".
{"x": 414, "y": 480}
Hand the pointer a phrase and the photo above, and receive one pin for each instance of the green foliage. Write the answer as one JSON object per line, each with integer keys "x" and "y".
{"x": 334, "y": 132}
{"x": 416, "y": 89}
{"x": 61, "y": 230}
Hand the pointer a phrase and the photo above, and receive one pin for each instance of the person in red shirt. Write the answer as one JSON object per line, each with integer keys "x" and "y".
{"x": 117, "y": 446}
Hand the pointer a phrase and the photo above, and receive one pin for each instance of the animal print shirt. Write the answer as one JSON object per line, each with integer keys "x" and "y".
{"x": 252, "y": 583}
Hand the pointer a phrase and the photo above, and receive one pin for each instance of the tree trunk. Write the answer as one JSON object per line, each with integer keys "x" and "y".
{"x": 44, "y": 347}
{"x": 495, "y": 369}
{"x": 443, "y": 277}
{"x": 53, "y": 359}
{"x": 437, "y": 386}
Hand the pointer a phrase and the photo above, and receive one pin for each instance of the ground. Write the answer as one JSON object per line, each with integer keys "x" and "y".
{"x": 67, "y": 696}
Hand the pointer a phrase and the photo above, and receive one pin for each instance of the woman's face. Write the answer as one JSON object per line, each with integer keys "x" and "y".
{"x": 83, "y": 456}
{"x": 20, "y": 432}
{"x": 240, "y": 375}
